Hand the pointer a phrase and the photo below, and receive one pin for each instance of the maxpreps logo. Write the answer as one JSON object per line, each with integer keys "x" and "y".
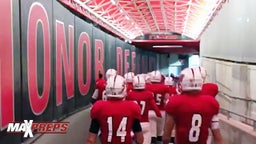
{"x": 29, "y": 128}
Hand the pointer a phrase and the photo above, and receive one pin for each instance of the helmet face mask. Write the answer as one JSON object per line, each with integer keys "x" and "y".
{"x": 115, "y": 87}
{"x": 139, "y": 82}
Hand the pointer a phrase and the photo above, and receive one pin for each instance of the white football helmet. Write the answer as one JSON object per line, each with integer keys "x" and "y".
{"x": 155, "y": 76}
{"x": 110, "y": 72}
{"x": 168, "y": 81}
{"x": 139, "y": 82}
{"x": 190, "y": 79}
{"x": 148, "y": 79}
{"x": 129, "y": 77}
{"x": 116, "y": 87}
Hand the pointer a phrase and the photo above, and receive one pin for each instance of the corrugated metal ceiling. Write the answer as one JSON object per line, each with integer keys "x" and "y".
{"x": 162, "y": 19}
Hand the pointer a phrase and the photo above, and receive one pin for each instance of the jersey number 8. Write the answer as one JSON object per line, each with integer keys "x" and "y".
{"x": 194, "y": 131}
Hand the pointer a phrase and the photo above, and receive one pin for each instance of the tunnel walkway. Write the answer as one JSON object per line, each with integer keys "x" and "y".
{"x": 233, "y": 131}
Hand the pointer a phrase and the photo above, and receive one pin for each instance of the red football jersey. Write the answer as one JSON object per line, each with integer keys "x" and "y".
{"x": 116, "y": 120}
{"x": 160, "y": 90}
{"x": 146, "y": 101}
{"x": 193, "y": 116}
{"x": 100, "y": 85}
{"x": 148, "y": 85}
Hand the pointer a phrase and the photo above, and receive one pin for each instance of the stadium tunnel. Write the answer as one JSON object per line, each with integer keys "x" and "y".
{"x": 51, "y": 53}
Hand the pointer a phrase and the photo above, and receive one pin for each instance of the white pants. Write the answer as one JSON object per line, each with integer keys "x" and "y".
{"x": 156, "y": 123}
{"x": 146, "y": 132}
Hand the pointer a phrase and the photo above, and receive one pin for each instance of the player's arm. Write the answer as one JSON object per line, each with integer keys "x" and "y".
{"x": 93, "y": 131}
{"x": 166, "y": 97}
{"x": 91, "y": 139}
{"x": 215, "y": 128}
{"x": 95, "y": 96}
{"x": 137, "y": 131}
{"x": 155, "y": 108}
{"x": 217, "y": 137}
{"x": 168, "y": 127}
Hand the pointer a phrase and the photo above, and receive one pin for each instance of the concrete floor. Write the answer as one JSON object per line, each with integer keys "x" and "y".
{"x": 77, "y": 132}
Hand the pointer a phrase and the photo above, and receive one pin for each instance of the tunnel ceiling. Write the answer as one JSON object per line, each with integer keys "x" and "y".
{"x": 161, "y": 25}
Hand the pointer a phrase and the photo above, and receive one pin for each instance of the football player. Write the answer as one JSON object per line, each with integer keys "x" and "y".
{"x": 172, "y": 91}
{"x": 99, "y": 92}
{"x": 99, "y": 88}
{"x": 211, "y": 89}
{"x": 128, "y": 79}
{"x": 170, "y": 83}
{"x": 190, "y": 112}
{"x": 160, "y": 96}
{"x": 116, "y": 117}
{"x": 146, "y": 101}
{"x": 148, "y": 80}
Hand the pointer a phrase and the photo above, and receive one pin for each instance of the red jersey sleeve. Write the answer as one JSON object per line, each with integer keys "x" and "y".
{"x": 216, "y": 105}
{"x": 95, "y": 110}
{"x": 154, "y": 107}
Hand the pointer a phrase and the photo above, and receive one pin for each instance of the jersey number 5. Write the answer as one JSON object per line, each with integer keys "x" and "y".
{"x": 121, "y": 131}
{"x": 158, "y": 99}
{"x": 194, "y": 131}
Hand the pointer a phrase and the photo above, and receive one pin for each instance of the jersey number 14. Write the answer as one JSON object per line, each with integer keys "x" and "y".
{"x": 121, "y": 131}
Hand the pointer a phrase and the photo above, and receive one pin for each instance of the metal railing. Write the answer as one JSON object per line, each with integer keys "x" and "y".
{"x": 247, "y": 120}
{"x": 233, "y": 97}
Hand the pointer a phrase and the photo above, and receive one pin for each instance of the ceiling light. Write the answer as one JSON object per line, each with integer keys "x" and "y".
{"x": 102, "y": 19}
{"x": 113, "y": 2}
{"x": 127, "y": 17}
{"x": 167, "y": 46}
